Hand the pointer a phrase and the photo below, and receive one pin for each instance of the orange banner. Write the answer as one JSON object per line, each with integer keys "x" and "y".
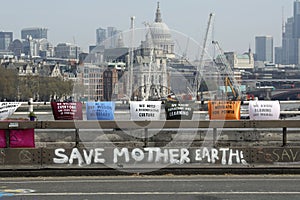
{"x": 224, "y": 110}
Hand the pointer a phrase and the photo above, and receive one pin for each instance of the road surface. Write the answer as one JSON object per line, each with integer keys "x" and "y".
{"x": 250, "y": 187}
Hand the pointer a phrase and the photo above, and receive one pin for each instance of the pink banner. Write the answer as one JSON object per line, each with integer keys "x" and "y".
{"x": 2, "y": 139}
{"x": 21, "y": 138}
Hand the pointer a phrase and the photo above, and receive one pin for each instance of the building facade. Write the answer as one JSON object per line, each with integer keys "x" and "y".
{"x": 290, "y": 50}
{"x": 5, "y": 40}
{"x": 150, "y": 70}
{"x": 66, "y": 50}
{"x": 264, "y": 48}
{"x": 92, "y": 82}
{"x": 34, "y": 33}
{"x": 100, "y": 36}
{"x": 112, "y": 36}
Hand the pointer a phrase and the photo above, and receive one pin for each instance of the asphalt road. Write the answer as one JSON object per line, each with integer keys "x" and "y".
{"x": 152, "y": 187}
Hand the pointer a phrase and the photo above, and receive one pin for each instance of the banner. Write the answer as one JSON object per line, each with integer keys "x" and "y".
{"x": 100, "y": 110}
{"x": 67, "y": 110}
{"x": 8, "y": 108}
{"x": 264, "y": 110}
{"x": 22, "y": 138}
{"x": 176, "y": 110}
{"x": 145, "y": 110}
{"x": 224, "y": 110}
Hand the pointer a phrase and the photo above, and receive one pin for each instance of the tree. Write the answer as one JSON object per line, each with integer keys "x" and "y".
{"x": 8, "y": 84}
{"x": 22, "y": 88}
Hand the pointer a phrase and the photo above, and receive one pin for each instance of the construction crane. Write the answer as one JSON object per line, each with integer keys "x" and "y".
{"x": 199, "y": 72}
{"x": 227, "y": 74}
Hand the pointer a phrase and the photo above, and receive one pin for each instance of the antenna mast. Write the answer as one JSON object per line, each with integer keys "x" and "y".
{"x": 131, "y": 56}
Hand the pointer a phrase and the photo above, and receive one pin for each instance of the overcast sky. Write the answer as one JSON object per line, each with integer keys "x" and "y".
{"x": 237, "y": 22}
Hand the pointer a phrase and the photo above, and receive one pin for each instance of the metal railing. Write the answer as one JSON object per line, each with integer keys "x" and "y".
{"x": 283, "y": 125}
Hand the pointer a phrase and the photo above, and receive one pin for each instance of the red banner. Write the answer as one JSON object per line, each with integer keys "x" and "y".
{"x": 67, "y": 110}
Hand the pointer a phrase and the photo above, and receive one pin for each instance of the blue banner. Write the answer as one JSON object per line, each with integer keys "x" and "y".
{"x": 100, "y": 110}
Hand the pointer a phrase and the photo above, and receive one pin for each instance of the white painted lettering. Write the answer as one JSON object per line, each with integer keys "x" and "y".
{"x": 173, "y": 155}
{"x": 98, "y": 156}
{"x": 205, "y": 153}
{"x": 62, "y": 158}
{"x": 88, "y": 156}
{"x": 163, "y": 155}
{"x": 184, "y": 156}
{"x": 231, "y": 154}
{"x": 151, "y": 152}
{"x": 123, "y": 151}
{"x": 223, "y": 160}
{"x": 137, "y": 154}
{"x": 75, "y": 154}
{"x": 244, "y": 162}
{"x": 198, "y": 155}
{"x": 214, "y": 155}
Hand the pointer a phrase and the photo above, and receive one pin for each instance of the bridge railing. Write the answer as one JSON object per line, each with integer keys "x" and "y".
{"x": 76, "y": 125}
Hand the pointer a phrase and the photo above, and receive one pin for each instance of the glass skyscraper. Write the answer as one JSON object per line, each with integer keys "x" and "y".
{"x": 264, "y": 48}
{"x": 5, "y": 39}
{"x": 290, "y": 51}
{"x": 100, "y": 35}
{"x": 35, "y": 33}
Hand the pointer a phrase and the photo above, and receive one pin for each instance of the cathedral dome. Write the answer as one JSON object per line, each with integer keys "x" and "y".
{"x": 161, "y": 34}
{"x": 160, "y": 29}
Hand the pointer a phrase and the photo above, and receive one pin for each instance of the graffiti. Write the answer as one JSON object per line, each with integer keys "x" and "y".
{"x": 87, "y": 157}
{"x": 279, "y": 155}
{"x": 25, "y": 156}
{"x": 228, "y": 156}
{"x": 224, "y": 156}
{"x": 153, "y": 154}
{"x": 286, "y": 155}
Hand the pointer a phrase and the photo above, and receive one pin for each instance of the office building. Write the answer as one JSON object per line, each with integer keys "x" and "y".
{"x": 264, "y": 48}
{"x": 290, "y": 50}
{"x": 66, "y": 50}
{"x": 100, "y": 35}
{"x": 5, "y": 39}
{"x": 112, "y": 36}
{"x": 34, "y": 33}
{"x": 296, "y": 24}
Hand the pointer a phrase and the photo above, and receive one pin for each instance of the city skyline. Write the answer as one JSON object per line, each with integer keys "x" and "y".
{"x": 236, "y": 22}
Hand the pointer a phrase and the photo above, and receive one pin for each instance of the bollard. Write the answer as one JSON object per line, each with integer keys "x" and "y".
{"x": 214, "y": 136}
{"x": 31, "y": 114}
{"x": 30, "y": 103}
{"x": 77, "y": 138}
{"x": 146, "y": 138}
{"x": 284, "y": 136}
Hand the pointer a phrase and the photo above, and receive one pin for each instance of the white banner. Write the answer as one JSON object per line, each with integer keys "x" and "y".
{"x": 264, "y": 110}
{"x": 8, "y": 108}
{"x": 145, "y": 110}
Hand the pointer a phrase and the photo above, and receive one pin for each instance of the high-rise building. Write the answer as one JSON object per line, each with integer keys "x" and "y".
{"x": 34, "y": 33}
{"x": 112, "y": 35}
{"x": 264, "y": 48}
{"x": 5, "y": 39}
{"x": 296, "y": 25}
{"x": 100, "y": 35}
{"x": 290, "y": 51}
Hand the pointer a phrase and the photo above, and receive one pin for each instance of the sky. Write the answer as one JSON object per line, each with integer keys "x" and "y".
{"x": 236, "y": 22}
